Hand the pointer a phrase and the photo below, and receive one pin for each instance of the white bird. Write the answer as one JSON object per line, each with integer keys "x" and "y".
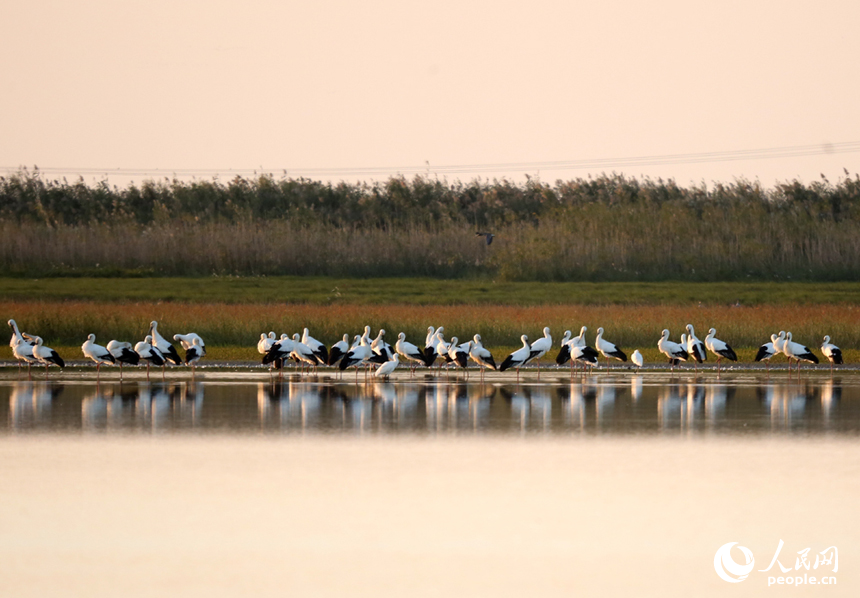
{"x": 779, "y": 343}
{"x": 194, "y": 353}
{"x": 480, "y": 355}
{"x": 442, "y": 347}
{"x": 357, "y": 356}
{"x": 187, "y": 341}
{"x": 518, "y": 358}
{"x": 719, "y": 348}
{"x": 22, "y": 346}
{"x": 459, "y": 353}
{"x": 768, "y": 350}
{"x": 636, "y": 358}
{"x": 279, "y": 351}
{"x": 575, "y": 353}
{"x": 338, "y": 350}
{"x": 123, "y": 353}
{"x": 384, "y": 371}
{"x": 97, "y": 353}
{"x": 797, "y": 352}
{"x": 540, "y": 347}
{"x": 303, "y": 354}
{"x": 430, "y": 345}
{"x": 318, "y": 349}
{"x": 672, "y": 350}
{"x": 381, "y": 350}
{"x": 46, "y": 355}
{"x": 695, "y": 347}
{"x": 831, "y": 352}
{"x": 409, "y": 351}
{"x": 164, "y": 347}
{"x": 264, "y": 345}
{"x": 608, "y": 349}
{"x": 149, "y": 353}
{"x": 579, "y": 341}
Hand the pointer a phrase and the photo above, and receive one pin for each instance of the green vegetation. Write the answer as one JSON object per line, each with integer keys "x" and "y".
{"x": 609, "y": 228}
{"x": 422, "y": 291}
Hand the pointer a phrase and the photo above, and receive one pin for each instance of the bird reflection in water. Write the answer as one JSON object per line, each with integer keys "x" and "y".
{"x": 30, "y": 404}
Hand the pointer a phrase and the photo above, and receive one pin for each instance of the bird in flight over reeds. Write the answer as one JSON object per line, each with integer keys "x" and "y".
{"x": 489, "y": 236}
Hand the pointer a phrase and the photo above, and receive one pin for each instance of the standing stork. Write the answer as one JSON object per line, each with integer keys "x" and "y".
{"x": 150, "y": 353}
{"x": 316, "y": 347}
{"x": 719, "y": 348}
{"x": 47, "y": 356}
{"x": 167, "y": 350}
{"x": 187, "y": 341}
{"x": 22, "y": 346}
{"x": 384, "y": 371}
{"x": 123, "y": 353}
{"x": 672, "y": 350}
{"x": 767, "y": 350}
{"x": 540, "y": 347}
{"x": 338, "y": 350}
{"x": 459, "y": 354}
{"x": 409, "y": 351}
{"x": 519, "y": 358}
{"x": 481, "y": 355}
{"x": 797, "y": 352}
{"x": 695, "y": 347}
{"x": 831, "y": 352}
{"x": 608, "y": 349}
{"x": 194, "y": 353}
{"x": 97, "y": 353}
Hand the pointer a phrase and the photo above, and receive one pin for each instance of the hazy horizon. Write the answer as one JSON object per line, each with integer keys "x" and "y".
{"x": 341, "y": 91}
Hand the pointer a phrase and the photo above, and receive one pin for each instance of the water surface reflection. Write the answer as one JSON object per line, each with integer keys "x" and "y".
{"x": 602, "y": 405}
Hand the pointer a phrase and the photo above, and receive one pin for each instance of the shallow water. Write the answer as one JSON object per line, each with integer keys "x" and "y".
{"x": 606, "y": 404}
{"x": 614, "y": 485}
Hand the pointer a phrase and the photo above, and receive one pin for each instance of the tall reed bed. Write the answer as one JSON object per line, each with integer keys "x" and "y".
{"x": 68, "y": 323}
{"x": 603, "y": 229}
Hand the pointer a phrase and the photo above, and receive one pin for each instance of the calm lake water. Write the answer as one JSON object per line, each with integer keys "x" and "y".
{"x": 615, "y": 485}
{"x": 606, "y": 404}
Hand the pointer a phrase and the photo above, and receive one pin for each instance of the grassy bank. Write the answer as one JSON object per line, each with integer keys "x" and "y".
{"x": 421, "y": 291}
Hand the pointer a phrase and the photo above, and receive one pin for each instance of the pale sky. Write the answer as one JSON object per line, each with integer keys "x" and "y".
{"x": 136, "y": 87}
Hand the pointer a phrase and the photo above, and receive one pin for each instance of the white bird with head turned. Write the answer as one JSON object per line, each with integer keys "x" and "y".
{"x": 831, "y": 352}
{"x": 636, "y": 358}
{"x": 608, "y": 349}
{"x": 719, "y": 348}
{"x": 167, "y": 350}
{"x": 385, "y": 370}
{"x": 672, "y": 350}
{"x": 540, "y": 347}
{"x": 97, "y": 353}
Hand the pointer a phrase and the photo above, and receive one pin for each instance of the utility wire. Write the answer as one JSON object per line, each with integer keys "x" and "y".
{"x": 585, "y": 164}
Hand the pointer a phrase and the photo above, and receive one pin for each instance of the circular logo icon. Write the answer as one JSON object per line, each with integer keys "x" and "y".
{"x": 727, "y": 568}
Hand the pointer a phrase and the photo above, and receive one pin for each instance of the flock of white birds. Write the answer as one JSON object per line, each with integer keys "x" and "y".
{"x": 368, "y": 353}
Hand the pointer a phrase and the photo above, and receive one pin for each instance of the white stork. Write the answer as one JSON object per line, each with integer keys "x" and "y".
{"x": 719, "y": 348}
{"x": 608, "y": 349}
{"x": 338, "y": 350}
{"x": 318, "y": 349}
{"x": 194, "y": 353}
{"x": 409, "y": 351}
{"x": 695, "y": 347}
{"x": 97, "y": 353}
{"x": 540, "y": 347}
{"x": 187, "y": 341}
{"x": 481, "y": 355}
{"x": 518, "y": 358}
{"x": 46, "y": 355}
{"x": 123, "y": 353}
{"x": 164, "y": 347}
{"x": 797, "y": 352}
{"x": 767, "y": 350}
{"x": 831, "y": 352}
{"x": 672, "y": 350}
{"x": 150, "y": 353}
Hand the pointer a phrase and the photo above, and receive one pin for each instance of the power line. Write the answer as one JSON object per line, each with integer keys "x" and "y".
{"x": 772, "y": 153}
